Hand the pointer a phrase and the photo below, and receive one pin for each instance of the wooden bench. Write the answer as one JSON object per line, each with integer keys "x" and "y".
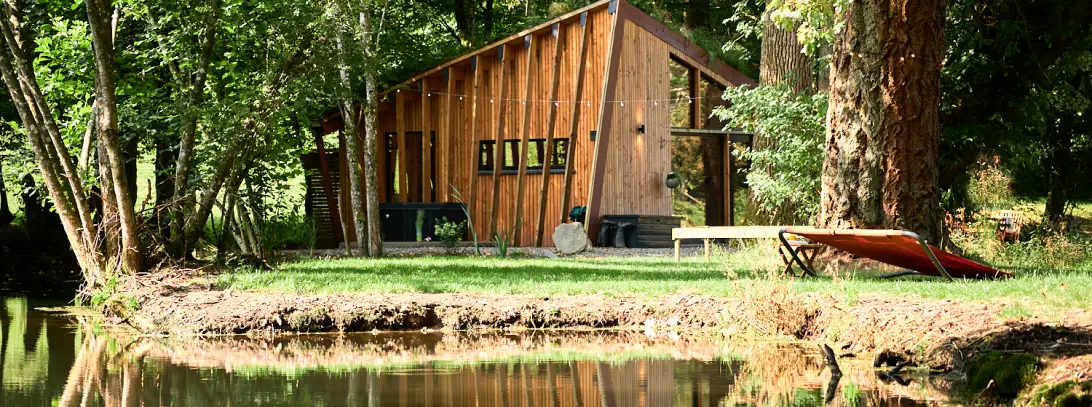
{"x": 803, "y": 249}
{"x": 708, "y": 233}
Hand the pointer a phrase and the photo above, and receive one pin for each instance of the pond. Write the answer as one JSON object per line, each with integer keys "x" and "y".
{"x": 49, "y": 359}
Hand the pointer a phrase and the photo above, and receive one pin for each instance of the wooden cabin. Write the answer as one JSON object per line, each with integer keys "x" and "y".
{"x": 578, "y": 111}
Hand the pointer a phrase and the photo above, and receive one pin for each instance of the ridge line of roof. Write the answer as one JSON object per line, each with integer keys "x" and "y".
{"x": 511, "y": 38}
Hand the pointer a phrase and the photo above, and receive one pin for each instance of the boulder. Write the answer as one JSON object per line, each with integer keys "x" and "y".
{"x": 570, "y": 238}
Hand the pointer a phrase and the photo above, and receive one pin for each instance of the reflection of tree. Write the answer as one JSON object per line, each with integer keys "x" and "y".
{"x": 20, "y": 368}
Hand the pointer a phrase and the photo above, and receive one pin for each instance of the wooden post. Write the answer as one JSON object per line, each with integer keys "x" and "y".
{"x": 574, "y": 125}
{"x": 498, "y": 136}
{"x": 551, "y": 122}
{"x": 328, "y": 185}
{"x": 448, "y": 135}
{"x": 695, "y": 98}
{"x": 426, "y": 141}
{"x": 729, "y": 169}
{"x": 678, "y": 249}
{"x": 525, "y": 138}
{"x": 606, "y": 122}
{"x": 470, "y": 194}
{"x": 400, "y": 117}
{"x": 706, "y": 242}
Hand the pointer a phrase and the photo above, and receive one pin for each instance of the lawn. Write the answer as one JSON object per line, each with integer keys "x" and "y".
{"x": 1034, "y": 292}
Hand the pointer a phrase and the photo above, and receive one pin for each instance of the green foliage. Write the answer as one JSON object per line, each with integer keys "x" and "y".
{"x": 289, "y": 230}
{"x": 1001, "y": 375}
{"x": 785, "y": 178}
{"x": 450, "y": 233}
{"x": 469, "y": 219}
{"x": 503, "y": 240}
{"x": 990, "y": 188}
{"x": 819, "y": 21}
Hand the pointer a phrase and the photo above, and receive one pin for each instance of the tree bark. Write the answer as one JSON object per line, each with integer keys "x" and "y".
{"x": 782, "y": 59}
{"x": 52, "y": 156}
{"x": 880, "y": 169}
{"x": 98, "y": 17}
{"x": 183, "y": 160}
{"x": 465, "y": 21}
{"x": 352, "y": 147}
{"x": 1061, "y": 156}
{"x": 371, "y": 137}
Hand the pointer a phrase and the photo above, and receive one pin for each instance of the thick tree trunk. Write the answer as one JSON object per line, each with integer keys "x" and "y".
{"x": 371, "y": 144}
{"x": 1061, "y": 157}
{"x": 881, "y": 165}
{"x": 465, "y": 21}
{"x": 182, "y": 200}
{"x": 98, "y": 16}
{"x": 782, "y": 59}
{"x": 352, "y": 148}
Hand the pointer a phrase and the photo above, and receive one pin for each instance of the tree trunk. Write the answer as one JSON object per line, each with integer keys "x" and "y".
{"x": 51, "y": 154}
{"x": 5, "y": 210}
{"x": 487, "y": 28}
{"x": 352, "y": 147}
{"x": 371, "y": 137}
{"x": 464, "y": 21}
{"x": 881, "y": 165}
{"x": 1061, "y": 156}
{"x": 183, "y": 161}
{"x": 98, "y": 16}
{"x": 782, "y": 59}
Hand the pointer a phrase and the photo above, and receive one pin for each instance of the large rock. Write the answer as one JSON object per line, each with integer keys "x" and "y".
{"x": 569, "y": 238}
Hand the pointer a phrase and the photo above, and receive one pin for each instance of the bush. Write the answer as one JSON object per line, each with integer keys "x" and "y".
{"x": 787, "y": 163}
{"x": 450, "y": 233}
{"x": 989, "y": 188}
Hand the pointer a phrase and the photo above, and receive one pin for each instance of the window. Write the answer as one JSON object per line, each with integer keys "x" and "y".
{"x": 510, "y": 156}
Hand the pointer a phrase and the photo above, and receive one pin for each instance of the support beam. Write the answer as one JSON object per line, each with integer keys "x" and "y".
{"x": 328, "y": 185}
{"x": 448, "y": 136}
{"x": 551, "y": 122}
{"x": 574, "y": 124}
{"x": 400, "y": 117}
{"x": 471, "y": 192}
{"x": 730, "y": 170}
{"x": 681, "y": 47}
{"x": 498, "y": 136}
{"x": 524, "y": 138}
{"x": 426, "y": 143}
{"x": 695, "y": 98}
{"x": 606, "y": 124}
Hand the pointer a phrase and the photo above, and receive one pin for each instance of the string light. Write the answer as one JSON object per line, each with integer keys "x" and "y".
{"x": 556, "y": 103}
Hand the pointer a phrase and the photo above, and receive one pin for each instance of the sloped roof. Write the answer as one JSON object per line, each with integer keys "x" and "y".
{"x": 682, "y": 48}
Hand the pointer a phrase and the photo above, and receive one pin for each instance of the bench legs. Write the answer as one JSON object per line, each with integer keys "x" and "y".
{"x": 706, "y": 242}
{"x": 678, "y": 248}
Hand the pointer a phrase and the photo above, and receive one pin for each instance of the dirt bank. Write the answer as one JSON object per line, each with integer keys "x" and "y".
{"x": 937, "y": 334}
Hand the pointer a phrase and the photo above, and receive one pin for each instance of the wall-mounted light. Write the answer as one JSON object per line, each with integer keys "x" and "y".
{"x": 641, "y": 128}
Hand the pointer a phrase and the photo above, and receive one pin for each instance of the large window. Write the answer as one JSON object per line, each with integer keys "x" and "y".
{"x": 510, "y": 156}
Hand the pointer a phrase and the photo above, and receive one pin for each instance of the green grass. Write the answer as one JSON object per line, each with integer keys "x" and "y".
{"x": 1040, "y": 293}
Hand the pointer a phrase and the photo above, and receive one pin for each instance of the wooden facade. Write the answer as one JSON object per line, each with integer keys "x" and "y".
{"x": 596, "y": 79}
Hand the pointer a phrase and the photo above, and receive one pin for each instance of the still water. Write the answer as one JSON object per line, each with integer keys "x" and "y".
{"x": 50, "y": 359}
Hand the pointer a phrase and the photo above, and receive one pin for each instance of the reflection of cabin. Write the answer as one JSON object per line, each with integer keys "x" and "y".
{"x": 587, "y": 102}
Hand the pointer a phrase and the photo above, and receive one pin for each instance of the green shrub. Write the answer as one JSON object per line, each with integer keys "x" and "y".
{"x": 787, "y": 162}
{"x": 989, "y": 188}
{"x": 450, "y": 233}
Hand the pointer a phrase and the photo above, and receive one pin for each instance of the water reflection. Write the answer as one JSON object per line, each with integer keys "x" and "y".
{"x": 49, "y": 361}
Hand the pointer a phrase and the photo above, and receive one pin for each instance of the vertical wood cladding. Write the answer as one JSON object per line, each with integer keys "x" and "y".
{"x": 461, "y": 103}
